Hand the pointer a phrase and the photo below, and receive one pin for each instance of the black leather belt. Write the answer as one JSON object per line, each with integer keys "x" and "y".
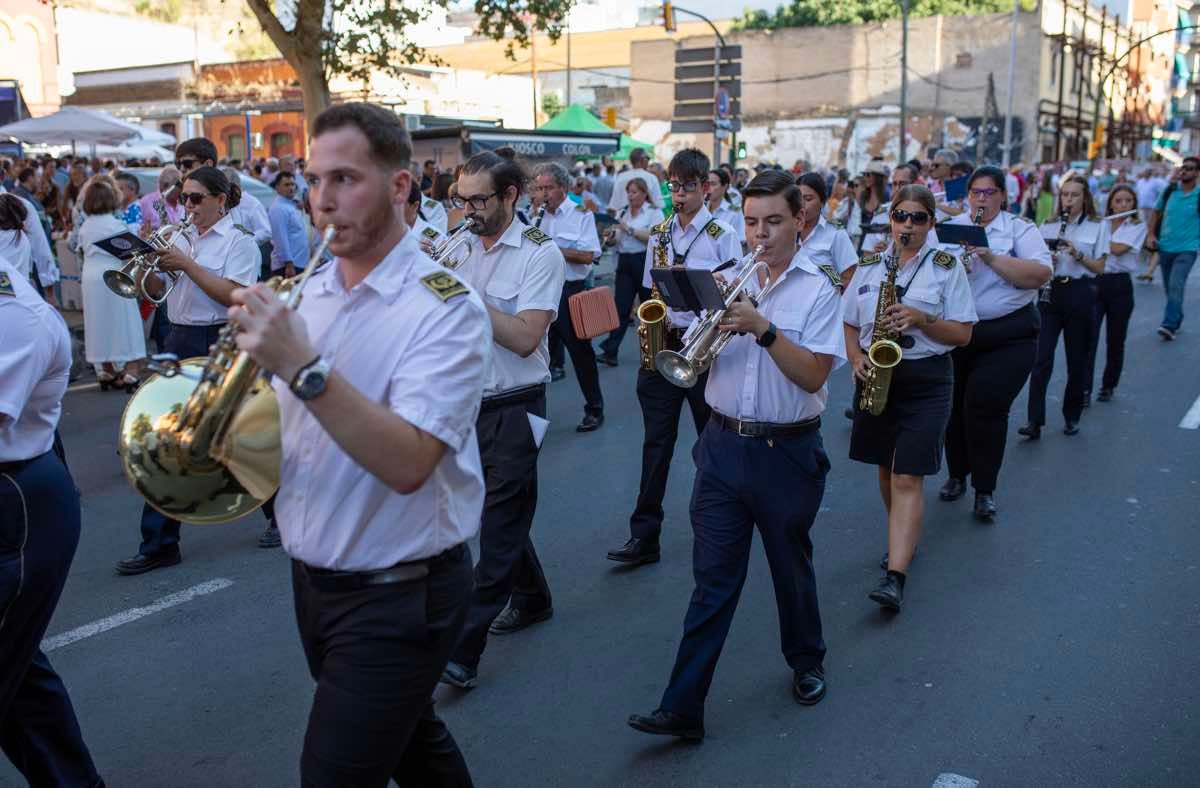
{"x": 764, "y": 429}
{"x": 513, "y": 397}
{"x": 1062, "y": 280}
{"x": 333, "y": 580}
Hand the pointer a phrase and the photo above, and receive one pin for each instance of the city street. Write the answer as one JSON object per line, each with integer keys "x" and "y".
{"x": 1057, "y": 646}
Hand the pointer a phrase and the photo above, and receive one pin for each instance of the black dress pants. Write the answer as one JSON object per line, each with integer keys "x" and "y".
{"x": 988, "y": 375}
{"x": 508, "y": 564}
{"x": 662, "y": 402}
{"x": 376, "y": 653}
{"x": 583, "y": 357}
{"x": 1070, "y": 313}
{"x": 1114, "y": 308}
{"x": 631, "y": 269}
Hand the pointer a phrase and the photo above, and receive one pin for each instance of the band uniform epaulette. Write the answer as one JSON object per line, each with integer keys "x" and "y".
{"x": 430, "y": 204}
{"x": 430, "y": 232}
{"x": 536, "y": 235}
{"x": 244, "y": 229}
{"x": 835, "y": 279}
{"x": 715, "y": 231}
{"x": 870, "y": 259}
{"x": 661, "y": 227}
{"x": 443, "y": 285}
{"x": 6, "y": 286}
{"x": 944, "y": 260}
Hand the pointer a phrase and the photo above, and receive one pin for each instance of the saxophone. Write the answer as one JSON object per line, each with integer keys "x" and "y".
{"x": 652, "y": 313}
{"x": 884, "y": 352}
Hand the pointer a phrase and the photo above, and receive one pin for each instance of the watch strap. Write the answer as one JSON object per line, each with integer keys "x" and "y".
{"x": 295, "y": 381}
{"x": 768, "y": 336}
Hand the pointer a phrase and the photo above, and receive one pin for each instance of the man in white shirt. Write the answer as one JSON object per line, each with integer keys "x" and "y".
{"x": 637, "y": 161}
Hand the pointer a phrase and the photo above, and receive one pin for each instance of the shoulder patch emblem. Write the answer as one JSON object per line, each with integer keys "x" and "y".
{"x": 444, "y": 285}
{"x": 431, "y": 203}
{"x": 581, "y": 208}
{"x": 244, "y": 229}
{"x": 6, "y": 287}
{"x": 870, "y": 259}
{"x": 430, "y": 232}
{"x": 715, "y": 231}
{"x": 536, "y": 235}
{"x": 944, "y": 260}
{"x": 835, "y": 278}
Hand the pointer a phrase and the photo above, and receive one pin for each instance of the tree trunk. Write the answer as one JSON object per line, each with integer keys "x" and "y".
{"x": 311, "y": 73}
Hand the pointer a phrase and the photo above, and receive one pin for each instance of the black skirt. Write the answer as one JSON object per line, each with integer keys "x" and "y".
{"x": 908, "y": 436}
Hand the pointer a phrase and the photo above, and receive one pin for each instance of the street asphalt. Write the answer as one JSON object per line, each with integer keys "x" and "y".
{"x": 1056, "y": 647}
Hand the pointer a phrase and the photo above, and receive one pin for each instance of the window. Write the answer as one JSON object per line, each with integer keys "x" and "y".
{"x": 281, "y": 144}
{"x": 236, "y": 146}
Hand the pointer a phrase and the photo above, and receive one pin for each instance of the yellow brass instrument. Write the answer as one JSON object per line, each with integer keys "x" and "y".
{"x": 652, "y": 313}
{"x": 200, "y": 441}
{"x": 704, "y": 341}
{"x": 443, "y": 253}
{"x": 129, "y": 281}
{"x": 884, "y": 352}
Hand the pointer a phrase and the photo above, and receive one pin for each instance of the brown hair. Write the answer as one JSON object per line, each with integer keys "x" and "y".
{"x": 1089, "y": 203}
{"x": 12, "y": 212}
{"x": 1123, "y": 187}
{"x": 915, "y": 192}
{"x": 386, "y": 136}
{"x": 641, "y": 184}
{"x": 99, "y": 196}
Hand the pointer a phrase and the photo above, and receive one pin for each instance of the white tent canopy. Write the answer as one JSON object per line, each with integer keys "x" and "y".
{"x": 72, "y": 125}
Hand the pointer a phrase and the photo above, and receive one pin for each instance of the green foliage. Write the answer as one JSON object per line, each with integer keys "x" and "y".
{"x": 822, "y": 13}
{"x": 170, "y": 11}
{"x": 552, "y": 104}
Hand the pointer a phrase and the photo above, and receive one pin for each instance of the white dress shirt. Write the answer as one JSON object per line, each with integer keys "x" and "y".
{"x": 929, "y": 286}
{"x": 1088, "y": 236}
{"x": 646, "y": 218}
{"x": 225, "y": 251}
{"x": 827, "y": 244}
{"x": 251, "y": 214}
{"x": 1131, "y": 233}
{"x": 620, "y": 198}
{"x": 435, "y": 214}
{"x": 694, "y": 246}
{"x": 42, "y": 257}
{"x": 573, "y": 227}
{"x": 17, "y": 251}
{"x": 518, "y": 273}
{"x": 35, "y": 359}
{"x": 882, "y": 215}
{"x": 425, "y": 357}
{"x": 1007, "y": 235}
{"x": 733, "y": 218}
{"x": 745, "y": 382}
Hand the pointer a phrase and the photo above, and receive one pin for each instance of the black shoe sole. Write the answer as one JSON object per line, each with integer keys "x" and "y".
{"x": 690, "y": 734}
{"x": 810, "y": 700}
{"x": 634, "y": 561}
{"x": 985, "y": 517}
{"x": 886, "y": 601}
{"x": 545, "y": 615}
{"x": 160, "y": 564}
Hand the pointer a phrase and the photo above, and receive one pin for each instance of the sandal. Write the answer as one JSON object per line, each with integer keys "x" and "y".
{"x": 130, "y": 383}
{"x": 105, "y": 380}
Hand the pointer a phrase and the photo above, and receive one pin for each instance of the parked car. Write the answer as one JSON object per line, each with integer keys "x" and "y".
{"x": 148, "y": 182}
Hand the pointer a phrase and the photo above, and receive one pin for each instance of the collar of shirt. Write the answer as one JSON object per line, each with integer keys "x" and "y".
{"x": 222, "y": 228}
{"x": 565, "y": 207}
{"x": 387, "y": 278}
{"x": 510, "y": 237}
{"x": 694, "y": 226}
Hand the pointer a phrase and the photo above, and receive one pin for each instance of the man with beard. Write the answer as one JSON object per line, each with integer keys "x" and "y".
{"x": 519, "y": 273}
{"x": 384, "y": 359}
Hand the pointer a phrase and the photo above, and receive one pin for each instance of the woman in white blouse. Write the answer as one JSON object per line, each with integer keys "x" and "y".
{"x": 112, "y": 326}
{"x": 14, "y": 244}
{"x": 1114, "y": 295}
{"x": 632, "y": 232}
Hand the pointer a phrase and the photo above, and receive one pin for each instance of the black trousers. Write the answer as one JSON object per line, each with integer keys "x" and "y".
{"x": 661, "y": 403}
{"x": 508, "y": 564}
{"x": 1114, "y": 308}
{"x": 39, "y": 531}
{"x": 583, "y": 357}
{"x": 376, "y": 653}
{"x": 1069, "y": 313}
{"x": 628, "y": 284}
{"x": 988, "y": 375}
{"x": 743, "y": 483}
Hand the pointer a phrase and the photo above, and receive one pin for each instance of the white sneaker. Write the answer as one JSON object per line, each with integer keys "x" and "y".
{"x": 1166, "y": 333}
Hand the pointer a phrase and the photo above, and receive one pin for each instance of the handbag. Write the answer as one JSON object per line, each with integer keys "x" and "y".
{"x": 593, "y": 312}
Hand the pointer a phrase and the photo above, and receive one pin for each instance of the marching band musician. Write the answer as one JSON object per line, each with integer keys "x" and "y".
{"x": 695, "y": 239}
{"x": 378, "y": 374}
{"x": 1078, "y": 258}
{"x": 414, "y": 216}
{"x": 719, "y": 205}
{"x": 39, "y": 531}
{"x": 519, "y": 274}
{"x": 902, "y": 175}
{"x": 573, "y": 229}
{"x": 1114, "y": 299}
{"x": 990, "y": 372}
{"x": 933, "y": 314}
{"x": 634, "y": 225}
{"x": 226, "y": 258}
{"x": 760, "y": 460}
{"x": 827, "y": 245}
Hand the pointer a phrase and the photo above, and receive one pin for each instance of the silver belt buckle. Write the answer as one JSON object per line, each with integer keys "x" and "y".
{"x": 739, "y": 430}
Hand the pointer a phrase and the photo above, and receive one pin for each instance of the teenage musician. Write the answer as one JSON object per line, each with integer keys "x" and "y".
{"x": 1114, "y": 298}
{"x": 633, "y": 228}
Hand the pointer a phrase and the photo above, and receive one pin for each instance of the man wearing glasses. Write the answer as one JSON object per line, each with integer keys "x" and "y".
{"x": 697, "y": 240}
{"x": 1175, "y": 234}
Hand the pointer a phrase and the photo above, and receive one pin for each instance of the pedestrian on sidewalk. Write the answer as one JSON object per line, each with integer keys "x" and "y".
{"x": 1175, "y": 233}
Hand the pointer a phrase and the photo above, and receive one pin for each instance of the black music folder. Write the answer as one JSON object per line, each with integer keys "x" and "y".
{"x": 124, "y": 245}
{"x": 964, "y": 234}
{"x": 688, "y": 289}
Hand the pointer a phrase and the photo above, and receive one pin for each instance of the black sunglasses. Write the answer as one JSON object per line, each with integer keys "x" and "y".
{"x": 194, "y": 198}
{"x": 185, "y": 164}
{"x": 901, "y": 216}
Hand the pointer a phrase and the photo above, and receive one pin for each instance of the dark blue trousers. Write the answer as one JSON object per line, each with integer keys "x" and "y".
{"x": 159, "y": 532}
{"x": 776, "y": 485}
{"x": 39, "y": 531}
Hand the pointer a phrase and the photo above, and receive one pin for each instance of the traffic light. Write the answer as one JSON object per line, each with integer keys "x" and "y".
{"x": 668, "y": 10}
{"x": 741, "y": 150}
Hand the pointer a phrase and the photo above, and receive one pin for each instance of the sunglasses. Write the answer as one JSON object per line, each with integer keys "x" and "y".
{"x": 901, "y": 216}
{"x": 194, "y": 198}
{"x": 185, "y": 164}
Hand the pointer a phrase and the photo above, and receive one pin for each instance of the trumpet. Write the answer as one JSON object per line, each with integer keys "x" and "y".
{"x": 704, "y": 341}
{"x": 442, "y": 253}
{"x": 129, "y": 281}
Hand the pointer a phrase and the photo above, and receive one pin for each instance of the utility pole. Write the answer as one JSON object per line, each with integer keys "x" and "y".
{"x": 1012, "y": 75}
{"x": 900, "y": 157}
{"x": 533, "y": 73}
{"x": 568, "y": 59}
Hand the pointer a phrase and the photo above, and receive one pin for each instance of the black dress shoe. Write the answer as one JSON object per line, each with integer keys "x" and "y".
{"x": 665, "y": 723}
{"x": 1031, "y": 431}
{"x": 1105, "y": 395}
{"x": 514, "y": 620}
{"x": 888, "y": 595}
{"x": 1072, "y": 428}
{"x": 140, "y": 564}
{"x": 591, "y": 421}
{"x": 270, "y": 537}
{"x": 985, "y": 507}
{"x": 607, "y": 359}
{"x": 808, "y": 687}
{"x": 952, "y": 490}
{"x": 557, "y": 373}
{"x": 460, "y": 676}
{"x": 636, "y": 551}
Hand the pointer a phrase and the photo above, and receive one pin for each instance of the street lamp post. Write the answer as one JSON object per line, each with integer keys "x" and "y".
{"x": 903, "y": 80}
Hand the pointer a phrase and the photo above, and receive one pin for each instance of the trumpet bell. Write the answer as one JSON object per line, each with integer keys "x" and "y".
{"x": 884, "y": 354}
{"x": 676, "y": 368}
{"x": 121, "y": 283}
{"x": 243, "y": 474}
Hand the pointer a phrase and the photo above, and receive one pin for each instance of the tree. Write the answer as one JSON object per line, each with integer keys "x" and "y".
{"x": 552, "y": 104}
{"x": 355, "y": 38}
{"x": 821, "y": 13}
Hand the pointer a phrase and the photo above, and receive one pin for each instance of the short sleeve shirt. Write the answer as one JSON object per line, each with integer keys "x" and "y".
{"x": 829, "y": 245}
{"x": 1007, "y": 235}
{"x": 572, "y": 226}
{"x": 435, "y": 214}
{"x": 1180, "y": 230}
{"x": 1086, "y": 235}
{"x": 646, "y": 218}
{"x": 733, "y": 218}
{"x": 705, "y": 243}
{"x": 227, "y": 252}
{"x": 1131, "y": 234}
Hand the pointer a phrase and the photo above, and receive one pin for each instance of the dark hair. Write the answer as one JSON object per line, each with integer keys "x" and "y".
{"x": 25, "y": 173}
{"x": 130, "y": 178}
{"x": 1089, "y": 204}
{"x": 912, "y": 171}
{"x": 414, "y": 192}
{"x": 1193, "y": 159}
{"x": 200, "y": 147}
{"x": 428, "y": 162}
{"x": 689, "y": 164}
{"x": 502, "y": 165}
{"x": 721, "y": 175}
{"x": 993, "y": 174}
{"x": 12, "y": 212}
{"x": 385, "y": 132}
{"x": 441, "y": 186}
{"x": 640, "y": 153}
{"x": 99, "y": 197}
{"x": 281, "y": 175}
{"x": 915, "y": 192}
{"x": 215, "y": 182}
{"x": 960, "y": 168}
{"x": 1122, "y": 187}
{"x": 815, "y": 182}
{"x": 771, "y": 182}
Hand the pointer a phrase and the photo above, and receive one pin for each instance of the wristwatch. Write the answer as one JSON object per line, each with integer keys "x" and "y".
{"x": 768, "y": 336}
{"x": 310, "y": 381}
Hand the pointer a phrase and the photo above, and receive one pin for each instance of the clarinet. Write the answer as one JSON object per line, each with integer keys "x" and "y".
{"x": 1044, "y": 290}
{"x": 977, "y": 220}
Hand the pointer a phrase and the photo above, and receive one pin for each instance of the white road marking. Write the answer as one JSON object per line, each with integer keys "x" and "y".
{"x": 82, "y": 386}
{"x": 134, "y": 613}
{"x": 948, "y": 780}
{"x": 1191, "y": 419}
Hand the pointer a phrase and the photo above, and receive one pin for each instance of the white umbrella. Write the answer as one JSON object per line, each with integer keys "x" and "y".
{"x": 72, "y": 125}
{"x": 143, "y": 134}
{"x": 135, "y": 149}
